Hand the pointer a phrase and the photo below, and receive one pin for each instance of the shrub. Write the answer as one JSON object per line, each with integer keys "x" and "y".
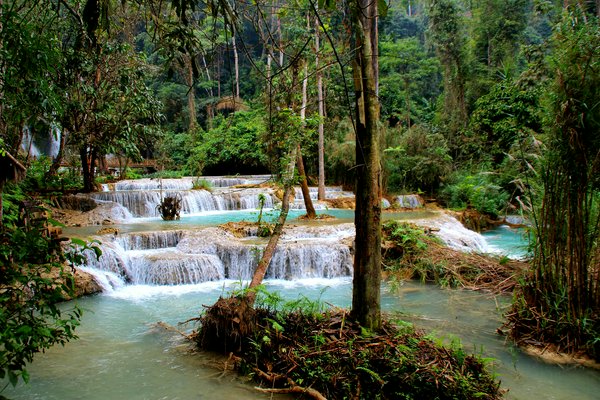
{"x": 478, "y": 191}
{"x": 420, "y": 161}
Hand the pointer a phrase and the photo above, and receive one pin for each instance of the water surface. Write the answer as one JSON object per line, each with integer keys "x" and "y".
{"x": 122, "y": 354}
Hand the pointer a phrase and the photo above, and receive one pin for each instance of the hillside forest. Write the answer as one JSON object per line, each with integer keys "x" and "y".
{"x": 484, "y": 105}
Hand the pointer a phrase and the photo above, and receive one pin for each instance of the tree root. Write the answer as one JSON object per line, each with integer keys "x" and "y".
{"x": 293, "y": 388}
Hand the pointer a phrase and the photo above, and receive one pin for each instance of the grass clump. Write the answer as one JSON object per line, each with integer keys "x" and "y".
{"x": 201, "y": 184}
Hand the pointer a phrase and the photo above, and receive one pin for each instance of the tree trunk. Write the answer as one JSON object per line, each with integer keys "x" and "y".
{"x": 189, "y": 77}
{"x": 310, "y": 209}
{"x": 265, "y": 260}
{"x": 236, "y": 66}
{"x": 321, "y": 106}
{"x": 86, "y": 169}
{"x": 366, "y": 307}
{"x": 59, "y": 157}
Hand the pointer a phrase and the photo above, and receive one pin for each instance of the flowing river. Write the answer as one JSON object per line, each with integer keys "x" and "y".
{"x": 123, "y": 353}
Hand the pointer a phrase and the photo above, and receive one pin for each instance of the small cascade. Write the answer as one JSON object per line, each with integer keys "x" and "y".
{"x": 311, "y": 259}
{"x": 108, "y": 281}
{"x": 171, "y": 267}
{"x": 42, "y": 143}
{"x": 187, "y": 183}
{"x": 143, "y": 203}
{"x": 149, "y": 240}
{"x": 454, "y": 234}
{"x": 153, "y": 184}
{"x": 517, "y": 220}
{"x": 139, "y": 204}
{"x": 331, "y": 192}
{"x": 27, "y": 143}
{"x": 113, "y": 259}
{"x": 409, "y": 201}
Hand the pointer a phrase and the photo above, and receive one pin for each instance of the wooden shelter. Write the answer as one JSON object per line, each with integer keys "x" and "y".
{"x": 10, "y": 170}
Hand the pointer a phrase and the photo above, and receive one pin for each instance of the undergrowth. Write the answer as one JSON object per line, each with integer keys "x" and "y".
{"x": 304, "y": 347}
{"x": 411, "y": 252}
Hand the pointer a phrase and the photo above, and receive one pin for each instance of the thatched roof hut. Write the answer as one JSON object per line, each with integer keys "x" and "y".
{"x": 231, "y": 103}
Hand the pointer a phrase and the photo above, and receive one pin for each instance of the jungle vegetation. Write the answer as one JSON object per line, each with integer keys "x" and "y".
{"x": 483, "y": 104}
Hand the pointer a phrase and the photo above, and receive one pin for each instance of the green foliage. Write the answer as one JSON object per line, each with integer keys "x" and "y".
{"x": 201, "y": 184}
{"x": 500, "y": 119}
{"x": 34, "y": 278}
{"x": 234, "y": 144}
{"x": 409, "y": 81}
{"x": 419, "y": 161}
{"x": 340, "y": 151}
{"x": 448, "y": 33}
{"x": 286, "y": 129}
{"x": 30, "y": 63}
{"x": 408, "y": 237}
{"x": 559, "y": 302}
{"x": 265, "y": 229}
{"x": 167, "y": 174}
{"x": 478, "y": 191}
{"x": 498, "y": 29}
{"x": 39, "y": 179}
{"x": 176, "y": 152}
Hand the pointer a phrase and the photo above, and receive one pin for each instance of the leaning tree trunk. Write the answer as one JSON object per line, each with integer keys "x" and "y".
{"x": 310, "y": 208}
{"x": 265, "y": 260}
{"x": 367, "y": 257}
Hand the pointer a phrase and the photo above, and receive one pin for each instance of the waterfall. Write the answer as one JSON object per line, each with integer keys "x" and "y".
{"x": 42, "y": 143}
{"x": 186, "y": 183}
{"x": 453, "y": 233}
{"x": 171, "y": 267}
{"x": 306, "y": 251}
{"x": 143, "y": 203}
{"x": 28, "y": 144}
{"x": 149, "y": 240}
{"x": 185, "y": 257}
{"x": 108, "y": 281}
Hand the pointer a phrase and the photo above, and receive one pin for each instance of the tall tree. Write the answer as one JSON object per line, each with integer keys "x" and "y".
{"x": 310, "y": 209}
{"x": 447, "y": 32}
{"x": 366, "y": 302}
{"x": 321, "y": 109}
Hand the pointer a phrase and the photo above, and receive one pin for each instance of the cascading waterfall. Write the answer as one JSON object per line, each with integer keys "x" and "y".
{"x": 171, "y": 267}
{"x": 179, "y": 257}
{"x": 192, "y": 256}
{"x": 454, "y": 234}
{"x": 143, "y": 203}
